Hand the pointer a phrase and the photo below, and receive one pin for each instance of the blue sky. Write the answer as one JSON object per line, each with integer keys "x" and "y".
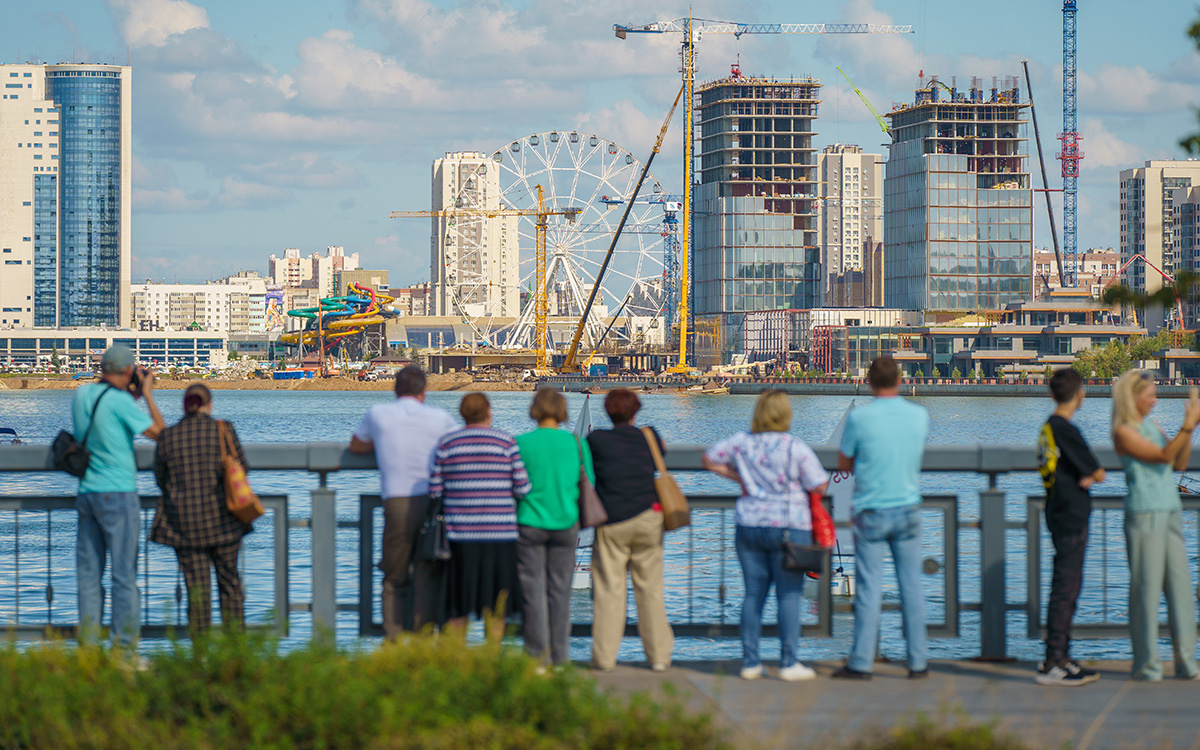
{"x": 263, "y": 125}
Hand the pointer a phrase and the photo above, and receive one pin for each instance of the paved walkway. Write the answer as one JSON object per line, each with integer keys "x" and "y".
{"x": 824, "y": 713}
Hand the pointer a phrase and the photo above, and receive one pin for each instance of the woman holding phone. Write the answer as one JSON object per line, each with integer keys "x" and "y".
{"x": 1158, "y": 560}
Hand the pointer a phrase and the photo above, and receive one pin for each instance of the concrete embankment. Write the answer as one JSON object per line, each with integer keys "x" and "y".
{"x": 833, "y": 387}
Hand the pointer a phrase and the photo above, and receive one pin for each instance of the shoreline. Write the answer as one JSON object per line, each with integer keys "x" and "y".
{"x": 452, "y": 382}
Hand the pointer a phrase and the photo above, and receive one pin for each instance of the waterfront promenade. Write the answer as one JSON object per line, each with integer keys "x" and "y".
{"x": 1113, "y": 713}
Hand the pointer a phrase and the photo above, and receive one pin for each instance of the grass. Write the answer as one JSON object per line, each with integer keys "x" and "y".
{"x": 239, "y": 691}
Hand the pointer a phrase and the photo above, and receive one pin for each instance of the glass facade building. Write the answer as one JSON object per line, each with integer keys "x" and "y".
{"x": 755, "y": 237}
{"x": 91, "y": 102}
{"x": 958, "y": 222}
{"x": 66, "y": 180}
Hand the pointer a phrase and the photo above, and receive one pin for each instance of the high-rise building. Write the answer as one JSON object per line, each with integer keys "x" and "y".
{"x": 1147, "y": 218}
{"x": 1185, "y": 232}
{"x": 222, "y": 308}
{"x": 851, "y": 190}
{"x": 755, "y": 239}
{"x": 65, "y": 185}
{"x": 315, "y": 271}
{"x": 957, "y": 224}
{"x": 474, "y": 262}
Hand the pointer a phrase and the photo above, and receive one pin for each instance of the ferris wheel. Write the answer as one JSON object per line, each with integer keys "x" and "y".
{"x": 584, "y": 182}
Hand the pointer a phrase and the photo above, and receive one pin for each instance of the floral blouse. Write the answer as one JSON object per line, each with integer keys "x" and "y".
{"x": 777, "y": 471}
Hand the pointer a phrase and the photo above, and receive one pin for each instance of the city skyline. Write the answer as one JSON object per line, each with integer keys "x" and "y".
{"x": 258, "y": 129}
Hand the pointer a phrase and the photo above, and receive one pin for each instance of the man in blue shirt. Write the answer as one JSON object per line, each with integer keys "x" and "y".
{"x": 107, "y": 414}
{"x": 883, "y": 444}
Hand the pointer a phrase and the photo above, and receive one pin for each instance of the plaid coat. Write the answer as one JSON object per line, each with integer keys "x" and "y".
{"x": 191, "y": 475}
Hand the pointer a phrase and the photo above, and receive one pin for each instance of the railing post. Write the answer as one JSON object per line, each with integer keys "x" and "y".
{"x": 324, "y": 562}
{"x": 994, "y": 609}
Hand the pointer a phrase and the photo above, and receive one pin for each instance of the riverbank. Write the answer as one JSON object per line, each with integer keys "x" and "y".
{"x": 449, "y": 382}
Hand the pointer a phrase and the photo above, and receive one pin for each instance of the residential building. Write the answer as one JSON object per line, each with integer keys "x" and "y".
{"x": 315, "y": 271}
{"x": 65, "y": 185}
{"x": 860, "y": 288}
{"x": 1096, "y": 269}
{"x": 208, "y": 307}
{"x": 474, "y": 263}
{"x": 755, "y": 237}
{"x": 1186, "y": 236}
{"x": 851, "y": 208}
{"x": 376, "y": 280}
{"x": 957, "y": 224}
{"x": 1147, "y": 196}
{"x": 794, "y": 335}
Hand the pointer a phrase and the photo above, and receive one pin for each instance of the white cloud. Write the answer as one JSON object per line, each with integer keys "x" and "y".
{"x": 306, "y": 170}
{"x": 1117, "y": 89}
{"x": 152, "y": 22}
{"x": 237, "y": 193}
{"x": 1104, "y": 150}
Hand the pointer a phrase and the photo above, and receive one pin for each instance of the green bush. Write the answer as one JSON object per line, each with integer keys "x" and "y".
{"x": 240, "y": 691}
{"x": 945, "y": 734}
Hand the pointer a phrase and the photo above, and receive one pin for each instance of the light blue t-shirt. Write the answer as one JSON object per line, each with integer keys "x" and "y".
{"x": 1152, "y": 487}
{"x": 886, "y": 439}
{"x": 118, "y": 419}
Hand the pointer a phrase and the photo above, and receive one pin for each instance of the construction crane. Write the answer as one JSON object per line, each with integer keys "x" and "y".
{"x": 691, "y": 30}
{"x": 882, "y": 124}
{"x": 569, "y": 362}
{"x": 541, "y": 213}
{"x": 1071, "y": 154}
{"x": 1182, "y": 322}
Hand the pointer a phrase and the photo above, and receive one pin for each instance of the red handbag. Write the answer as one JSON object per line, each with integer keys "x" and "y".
{"x": 823, "y": 533}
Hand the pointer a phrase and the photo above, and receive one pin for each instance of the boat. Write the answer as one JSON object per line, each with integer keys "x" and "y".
{"x": 711, "y": 388}
{"x": 8, "y": 436}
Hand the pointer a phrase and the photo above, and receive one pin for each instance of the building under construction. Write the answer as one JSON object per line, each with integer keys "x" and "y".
{"x": 958, "y": 224}
{"x": 755, "y": 241}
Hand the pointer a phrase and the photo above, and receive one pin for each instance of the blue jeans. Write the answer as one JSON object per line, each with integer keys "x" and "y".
{"x": 900, "y": 530}
{"x": 760, "y": 552}
{"x": 108, "y": 523}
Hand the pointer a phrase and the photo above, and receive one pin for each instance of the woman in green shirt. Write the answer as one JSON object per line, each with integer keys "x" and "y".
{"x": 1158, "y": 560}
{"x": 548, "y": 523}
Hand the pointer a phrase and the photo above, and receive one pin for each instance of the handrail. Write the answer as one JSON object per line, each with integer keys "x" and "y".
{"x": 332, "y": 457}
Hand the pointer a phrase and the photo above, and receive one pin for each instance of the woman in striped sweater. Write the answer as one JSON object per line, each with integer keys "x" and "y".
{"x": 477, "y": 472}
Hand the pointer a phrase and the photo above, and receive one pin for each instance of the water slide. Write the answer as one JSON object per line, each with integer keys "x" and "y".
{"x": 336, "y": 318}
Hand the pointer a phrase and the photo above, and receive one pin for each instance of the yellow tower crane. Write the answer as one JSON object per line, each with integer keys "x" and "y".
{"x": 691, "y": 30}
{"x": 541, "y": 213}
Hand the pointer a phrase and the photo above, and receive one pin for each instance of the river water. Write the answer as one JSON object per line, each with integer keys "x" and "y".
{"x": 708, "y": 576}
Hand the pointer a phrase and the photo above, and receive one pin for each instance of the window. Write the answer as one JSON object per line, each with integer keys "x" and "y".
{"x": 12, "y": 262}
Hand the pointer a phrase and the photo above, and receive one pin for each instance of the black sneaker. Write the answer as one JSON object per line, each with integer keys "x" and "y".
{"x": 1066, "y": 673}
{"x": 846, "y": 673}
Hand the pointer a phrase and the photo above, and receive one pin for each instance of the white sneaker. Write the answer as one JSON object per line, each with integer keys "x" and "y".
{"x": 796, "y": 673}
{"x": 752, "y": 673}
{"x": 659, "y": 667}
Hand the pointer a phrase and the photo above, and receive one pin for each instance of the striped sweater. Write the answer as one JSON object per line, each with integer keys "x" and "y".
{"x": 477, "y": 472}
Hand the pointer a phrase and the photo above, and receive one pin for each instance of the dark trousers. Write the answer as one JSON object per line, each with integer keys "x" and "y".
{"x": 1067, "y": 580}
{"x": 410, "y": 592}
{"x": 196, "y": 565}
{"x": 545, "y": 565}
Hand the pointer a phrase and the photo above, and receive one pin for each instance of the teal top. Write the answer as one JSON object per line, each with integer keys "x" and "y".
{"x": 551, "y": 457}
{"x": 1152, "y": 487}
{"x": 118, "y": 420}
{"x": 886, "y": 439}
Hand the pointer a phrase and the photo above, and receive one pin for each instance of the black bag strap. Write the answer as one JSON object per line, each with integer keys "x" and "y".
{"x": 92, "y": 416}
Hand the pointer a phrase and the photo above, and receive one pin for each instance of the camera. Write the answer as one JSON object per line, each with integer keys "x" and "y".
{"x": 140, "y": 375}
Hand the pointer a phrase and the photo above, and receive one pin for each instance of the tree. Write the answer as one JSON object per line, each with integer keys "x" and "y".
{"x": 955, "y": 373}
{"x": 55, "y": 360}
{"x": 1048, "y": 372}
{"x": 936, "y": 372}
{"x": 234, "y": 355}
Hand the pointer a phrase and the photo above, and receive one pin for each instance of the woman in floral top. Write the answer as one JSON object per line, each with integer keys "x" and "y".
{"x": 776, "y": 472}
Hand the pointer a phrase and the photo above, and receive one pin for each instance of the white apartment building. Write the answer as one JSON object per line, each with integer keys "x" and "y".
{"x": 315, "y": 271}
{"x": 1147, "y": 218}
{"x": 474, "y": 260}
{"x": 1096, "y": 269}
{"x": 65, "y": 187}
{"x": 220, "y": 308}
{"x": 851, "y": 190}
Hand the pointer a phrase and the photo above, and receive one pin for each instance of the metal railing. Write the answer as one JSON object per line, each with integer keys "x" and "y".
{"x": 972, "y": 521}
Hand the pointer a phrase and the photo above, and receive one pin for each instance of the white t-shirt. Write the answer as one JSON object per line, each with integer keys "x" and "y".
{"x": 405, "y": 433}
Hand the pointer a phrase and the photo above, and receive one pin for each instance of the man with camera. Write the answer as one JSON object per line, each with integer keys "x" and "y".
{"x": 106, "y": 419}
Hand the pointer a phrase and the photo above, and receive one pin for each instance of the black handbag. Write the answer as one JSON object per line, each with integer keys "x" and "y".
{"x": 70, "y": 455}
{"x": 433, "y": 546}
{"x": 803, "y": 558}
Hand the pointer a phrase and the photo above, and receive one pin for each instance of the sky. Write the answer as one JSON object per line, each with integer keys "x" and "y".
{"x": 264, "y": 125}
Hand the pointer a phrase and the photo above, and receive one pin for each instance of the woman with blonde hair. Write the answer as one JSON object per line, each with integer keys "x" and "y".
{"x": 776, "y": 472}
{"x": 1158, "y": 560}
{"x": 547, "y": 526}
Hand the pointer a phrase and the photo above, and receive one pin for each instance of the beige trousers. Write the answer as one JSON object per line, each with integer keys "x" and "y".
{"x": 634, "y": 545}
